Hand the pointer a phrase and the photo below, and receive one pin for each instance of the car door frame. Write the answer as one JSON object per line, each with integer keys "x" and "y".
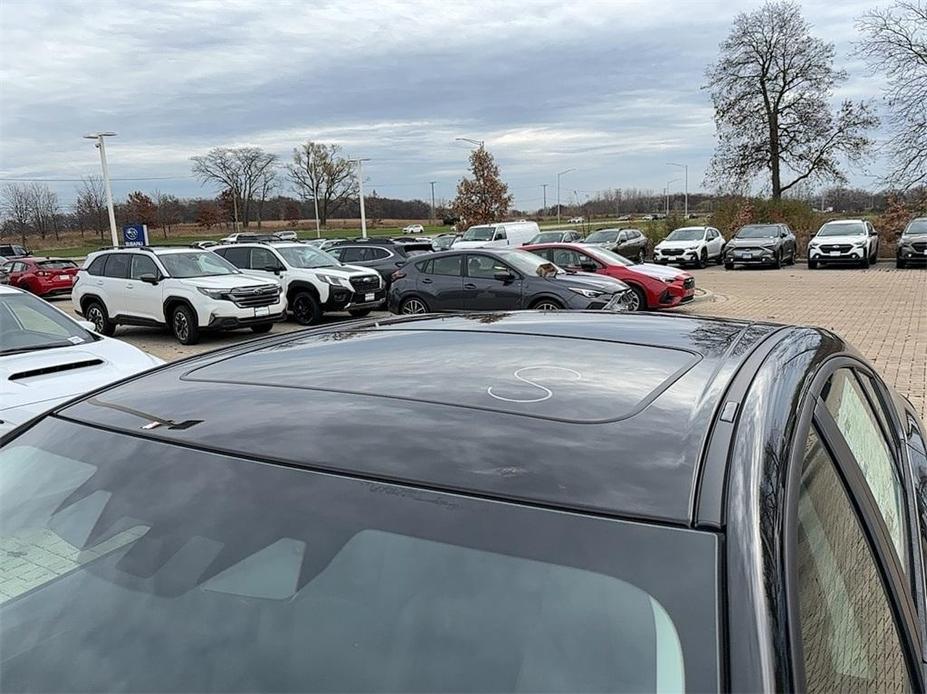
{"x": 519, "y": 280}
{"x": 815, "y": 416}
{"x": 153, "y": 295}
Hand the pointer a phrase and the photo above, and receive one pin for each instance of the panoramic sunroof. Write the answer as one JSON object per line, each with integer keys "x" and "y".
{"x": 549, "y": 377}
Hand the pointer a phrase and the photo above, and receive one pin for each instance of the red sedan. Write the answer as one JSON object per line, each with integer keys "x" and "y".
{"x": 655, "y": 286}
{"x": 42, "y": 276}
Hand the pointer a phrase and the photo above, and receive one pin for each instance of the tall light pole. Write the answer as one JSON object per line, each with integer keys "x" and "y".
{"x": 109, "y": 190}
{"x": 434, "y": 219}
{"x": 666, "y": 191}
{"x": 360, "y": 190}
{"x": 686, "y": 168}
{"x": 559, "y": 174}
{"x": 544, "y": 189}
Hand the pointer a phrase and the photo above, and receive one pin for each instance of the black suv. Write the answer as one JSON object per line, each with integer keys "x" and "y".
{"x": 383, "y": 255}
{"x": 497, "y": 502}
{"x": 772, "y": 245}
{"x": 499, "y": 279}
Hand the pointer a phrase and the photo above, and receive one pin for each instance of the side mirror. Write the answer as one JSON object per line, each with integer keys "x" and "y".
{"x": 87, "y": 325}
{"x": 873, "y": 232}
{"x": 505, "y": 277}
{"x": 276, "y": 269}
{"x": 148, "y": 278}
{"x": 588, "y": 267}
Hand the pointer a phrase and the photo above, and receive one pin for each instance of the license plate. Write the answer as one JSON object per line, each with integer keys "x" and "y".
{"x": 262, "y": 311}
{"x": 369, "y": 297}
{"x": 64, "y": 277}
{"x": 835, "y": 252}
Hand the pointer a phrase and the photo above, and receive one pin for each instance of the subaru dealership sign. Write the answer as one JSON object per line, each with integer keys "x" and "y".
{"x": 135, "y": 235}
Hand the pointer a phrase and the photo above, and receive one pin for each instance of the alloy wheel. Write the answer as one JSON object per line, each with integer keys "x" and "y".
{"x": 547, "y": 306}
{"x": 95, "y": 316}
{"x": 181, "y": 326}
{"x": 413, "y": 307}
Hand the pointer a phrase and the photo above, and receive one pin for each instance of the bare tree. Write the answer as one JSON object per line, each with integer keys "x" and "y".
{"x": 240, "y": 170}
{"x": 90, "y": 205}
{"x": 319, "y": 172}
{"x": 895, "y": 45}
{"x": 17, "y": 207}
{"x": 44, "y": 209}
{"x": 169, "y": 211}
{"x": 265, "y": 186}
{"x": 771, "y": 89}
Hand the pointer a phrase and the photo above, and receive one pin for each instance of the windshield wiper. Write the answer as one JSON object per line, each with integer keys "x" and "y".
{"x": 35, "y": 348}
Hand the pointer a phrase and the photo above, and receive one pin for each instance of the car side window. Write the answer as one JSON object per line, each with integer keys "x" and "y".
{"x": 352, "y": 255}
{"x": 96, "y": 267}
{"x": 849, "y": 638}
{"x": 118, "y": 266}
{"x": 622, "y": 236}
{"x": 262, "y": 258}
{"x": 377, "y": 253}
{"x": 485, "y": 267}
{"x": 565, "y": 257}
{"x": 142, "y": 265}
{"x": 500, "y": 235}
{"x": 449, "y": 265}
{"x": 847, "y": 402}
{"x": 237, "y": 256}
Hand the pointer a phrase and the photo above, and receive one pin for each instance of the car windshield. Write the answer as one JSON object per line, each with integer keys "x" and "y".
{"x": 56, "y": 264}
{"x": 307, "y": 256}
{"x": 686, "y": 235}
{"x": 443, "y": 242}
{"x": 27, "y": 323}
{"x": 603, "y": 236}
{"x": 196, "y": 264}
{"x": 483, "y": 233}
{"x": 139, "y": 566}
{"x": 547, "y": 237}
{"x": 843, "y": 229}
{"x": 608, "y": 256}
{"x": 529, "y": 263}
{"x": 758, "y": 231}
{"x": 916, "y": 228}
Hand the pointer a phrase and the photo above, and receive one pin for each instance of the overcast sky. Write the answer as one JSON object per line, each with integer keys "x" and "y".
{"x": 609, "y": 88}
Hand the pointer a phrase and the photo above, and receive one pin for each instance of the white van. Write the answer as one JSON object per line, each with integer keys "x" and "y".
{"x": 500, "y": 234}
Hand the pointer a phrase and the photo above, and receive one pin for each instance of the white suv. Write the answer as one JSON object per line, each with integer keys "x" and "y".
{"x": 691, "y": 245}
{"x": 313, "y": 280}
{"x": 844, "y": 241}
{"x": 186, "y": 289}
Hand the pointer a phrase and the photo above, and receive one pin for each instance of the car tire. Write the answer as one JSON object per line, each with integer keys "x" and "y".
{"x": 702, "y": 259}
{"x": 306, "y": 309}
{"x": 777, "y": 263}
{"x": 792, "y": 257}
{"x": 360, "y": 312}
{"x": 865, "y": 262}
{"x": 184, "y": 325}
{"x": 812, "y": 264}
{"x": 546, "y": 305}
{"x": 413, "y": 306}
{"x": 96, "y": 313}
{"x": 262, "y": 328}
{"x": 639, "y": 300}
{"x": 729, "y": 266}
{"x": 721, "y": 256}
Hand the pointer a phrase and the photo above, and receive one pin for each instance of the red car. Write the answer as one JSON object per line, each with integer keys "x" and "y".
{"x": 41, "y": 276}
{"x": 655, "y": 286}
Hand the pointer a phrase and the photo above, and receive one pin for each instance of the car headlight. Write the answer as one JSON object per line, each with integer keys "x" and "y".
{"x": 588, "y": 293}
{"x": 692, "y": 248}
{"x": 860, "y": 244}
{"x": 334, "y": 281}
{"x": 214, "y": 293}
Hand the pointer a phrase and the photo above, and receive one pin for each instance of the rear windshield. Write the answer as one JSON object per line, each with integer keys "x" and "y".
{"x": 56, "y": 264}
{"x": 132, "y": 565}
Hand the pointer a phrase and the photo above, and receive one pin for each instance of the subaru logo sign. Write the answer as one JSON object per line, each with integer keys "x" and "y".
{"x": 135, "y": 235}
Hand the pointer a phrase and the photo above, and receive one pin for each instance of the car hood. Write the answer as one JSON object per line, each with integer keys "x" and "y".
{"x": 226, "y": 281}
{"x": 831, "y": 240}
{"x": 753, "y": 243}
{"x": 589, "y": 280}
{"x": 911, "y": 238}
{"x": 678, "y": 244}
{"x": 658, "y": 271}
{"x": 33, "y": 382}
{"x": 348, "y": 271}
{"x": 470, "y": 244}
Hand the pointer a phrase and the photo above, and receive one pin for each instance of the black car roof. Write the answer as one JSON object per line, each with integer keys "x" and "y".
{"x": 585, "y": 411}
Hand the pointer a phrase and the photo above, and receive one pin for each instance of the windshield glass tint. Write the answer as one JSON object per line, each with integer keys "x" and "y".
{"x": 28, "y": 323}
{"x": 196, "y": 264}
{"x": 686, "y": 235}
{"x": 307, "y": 256}
{"x": 138, "y": 566}
{"x": 917, "y": 228}
{"x": 478, "y": 234}
{"x": 547, "y": 237}
{"x": 608, "y": 256}
{"x": 56, "y": 264}
{"x": 843, "y": 229}
{"x": 759, "y": 231}
{"x": 602, "y": 236}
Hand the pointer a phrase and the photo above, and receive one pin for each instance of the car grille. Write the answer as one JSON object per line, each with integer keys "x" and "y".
{"x": 255, "y": 297}
{"x": 920, "y": 246}
{"x": 689, "y": 283}
{"x": 367, "y": 283}
{"x": 842, "y": 247}
{"x": 672, "y": 251}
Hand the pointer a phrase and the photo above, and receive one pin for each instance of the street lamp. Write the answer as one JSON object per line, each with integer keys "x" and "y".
{"x": 559, "y": 174}
{"x": 686, "y": 167}
{"x": 360, "y": 185}
{"x": 109, "y": 191}
{"x": 666, "y": 192}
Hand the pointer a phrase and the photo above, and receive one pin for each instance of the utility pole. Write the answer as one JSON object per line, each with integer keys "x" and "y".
{"x": 544, "y": 188}
{"x": 686, "y": 168}
{"x": 109, "y": 190}
{"x": 434, "y": 219}
{"x": 360, "y": 189}
{"x": 559, "y": 174}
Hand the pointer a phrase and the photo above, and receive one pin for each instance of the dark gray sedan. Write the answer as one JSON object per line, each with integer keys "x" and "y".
{"x": 499, "y": 280}
{"x": 771, "y": 245}
{"x": 631, "y": 243}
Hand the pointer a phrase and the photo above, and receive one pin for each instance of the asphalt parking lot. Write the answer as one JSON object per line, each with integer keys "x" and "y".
{"x": 882, "y": 311}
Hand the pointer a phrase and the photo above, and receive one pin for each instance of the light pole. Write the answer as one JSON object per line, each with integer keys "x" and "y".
{"x": 360, "y": 189}
{"x": 686, "y": 168}
{"x": 559, "y": 174}
{"x": 434, "y": 219}
{"x": 478, "y": 143}
{"x": 544, "y": 189}
{"x": 109, "y": 191}
{"x": 666, "y": 190}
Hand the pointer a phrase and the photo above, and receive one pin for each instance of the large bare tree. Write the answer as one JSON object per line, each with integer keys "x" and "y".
{"x": 44, "y": 210}
{"x": 17, "y": 207}
{"x": 895, "y": 45}
{"x": 90, "y": 205}
{"x": 169, "y": 211}
{"x": 240, "y": 170}
{"x": 771, "y": 89}
{"x": 320, "y": 173}
{"x": 484, "y": 197}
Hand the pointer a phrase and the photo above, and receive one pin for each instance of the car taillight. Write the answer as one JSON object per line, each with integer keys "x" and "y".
{"x": 42, "y": 273}
{"x": 398, "y": 275}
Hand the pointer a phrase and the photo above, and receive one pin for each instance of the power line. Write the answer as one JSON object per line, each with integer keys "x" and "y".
{"x": 79, "y": 180}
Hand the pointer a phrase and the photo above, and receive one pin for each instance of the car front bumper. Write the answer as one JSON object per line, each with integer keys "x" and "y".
{"x": 226, "y": 315}
{"x": 341, "y": 299}
{"x": 232, "y": 322}
{"x": 683, "y": 258}
{"x": 913, "y": 252}
{"x": 750, "y": 257}
{"x": 854, "y": 255}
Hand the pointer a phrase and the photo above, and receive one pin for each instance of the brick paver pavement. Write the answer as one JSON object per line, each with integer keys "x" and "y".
{"x": 881, "y": 311}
